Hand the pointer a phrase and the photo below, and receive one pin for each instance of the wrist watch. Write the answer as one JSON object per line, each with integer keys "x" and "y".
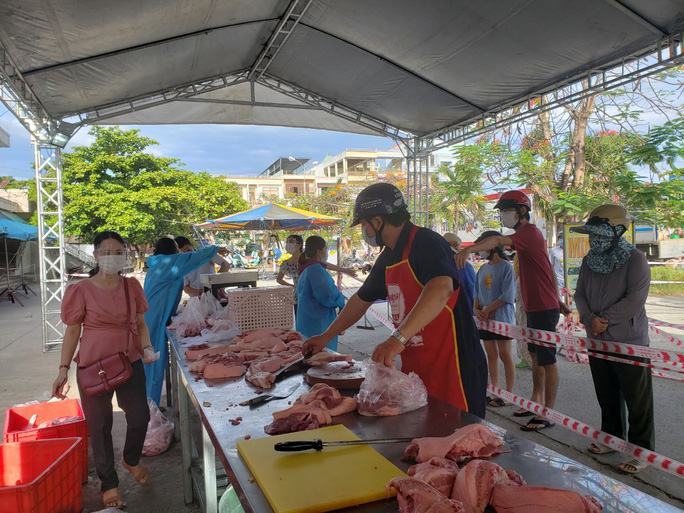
{"x": 401, "y": 338}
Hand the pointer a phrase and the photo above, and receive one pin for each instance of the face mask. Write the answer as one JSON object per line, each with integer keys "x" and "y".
{"x": 599, "y": 244}
{"x": 509, "y": 218}
{"x": 291, "y": 247}
{"x": 112, "y": 264}
{"x": 371, "y": 240}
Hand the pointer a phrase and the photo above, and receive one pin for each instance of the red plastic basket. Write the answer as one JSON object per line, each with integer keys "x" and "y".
{"x": 17, "y": 428}
{"x": 41, "y": 476}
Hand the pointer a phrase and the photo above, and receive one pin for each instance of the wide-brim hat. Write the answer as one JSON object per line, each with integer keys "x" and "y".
{"x": 609, "y": 214}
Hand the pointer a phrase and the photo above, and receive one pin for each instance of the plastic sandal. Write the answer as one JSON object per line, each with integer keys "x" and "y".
{"x": 632, "y": 466}
{"x": 600, "y": 449}
{"x": 112, "y": 499}
{"x": 541, "y": 423}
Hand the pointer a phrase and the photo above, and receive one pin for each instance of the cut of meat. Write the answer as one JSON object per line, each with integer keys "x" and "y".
{"x": 191, "y": 355}
{"x": 253, "y": 335}
{"x": 266, "y": 343}
{"x": 322, "y": 392}
{"x": 346, "y": 405}
{"x": 248, "y": 356}
{"x": 471, "y": 441}
{"x": 324, "y": 357}
{"x": 540, "y": 499}
{"x": 198, "y": 366}
{"x": 474, "y": 484}
{"x": 438, "y": 473}
{"x": 292, "y": 336}
{"x": 301, "y": 421}
{"x": 223, "y": 371}
{"x": 415, "y": 496}
{"x": 262, "y": 371}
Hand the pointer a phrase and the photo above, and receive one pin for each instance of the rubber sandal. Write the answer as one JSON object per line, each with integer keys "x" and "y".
{"x": 542, "y": 423}
{"x": 495, "y": 402}
{"x": 636, "y": 466}
{"x": 115, "y": 500}
{"x": 522, "y": 413}
{"x": 600, "y": 449}
{"x": 139, "y": 473}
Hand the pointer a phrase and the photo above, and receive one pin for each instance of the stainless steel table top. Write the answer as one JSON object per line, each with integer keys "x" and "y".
{"x": 537, "y": 464}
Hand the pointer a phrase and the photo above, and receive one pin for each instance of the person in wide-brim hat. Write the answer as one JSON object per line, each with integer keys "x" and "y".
{"x": 612, "y": 288}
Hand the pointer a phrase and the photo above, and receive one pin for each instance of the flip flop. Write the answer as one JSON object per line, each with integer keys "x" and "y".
{"x": 495, "y": 402}
{"x": 139, "y": 473}
{"x": 542, "y": 423}
{"x": 600, "y": 449}
{"x": 113, "y": 499}
{"x": 632, "y": 466}
{"x": 522, "y": 413}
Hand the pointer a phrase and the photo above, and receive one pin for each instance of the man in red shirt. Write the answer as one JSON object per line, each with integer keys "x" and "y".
{"x": 539, "y": 291}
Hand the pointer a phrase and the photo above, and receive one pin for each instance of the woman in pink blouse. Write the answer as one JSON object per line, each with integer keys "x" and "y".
{"x": 96, "y": 316}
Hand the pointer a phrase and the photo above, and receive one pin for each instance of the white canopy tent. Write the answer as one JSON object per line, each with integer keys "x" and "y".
{"x": 427, "y": 74}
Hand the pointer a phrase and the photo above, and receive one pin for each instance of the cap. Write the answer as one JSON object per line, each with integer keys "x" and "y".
{"x": 487, "y": 234}
{"x": 377, "y": 200}
{"x": 510, "y": 199}
{"x": 452, "y": 238}
{"x": 613, "y": 215}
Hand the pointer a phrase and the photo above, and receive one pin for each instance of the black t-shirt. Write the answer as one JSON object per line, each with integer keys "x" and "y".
{"x": 431, "y": 256}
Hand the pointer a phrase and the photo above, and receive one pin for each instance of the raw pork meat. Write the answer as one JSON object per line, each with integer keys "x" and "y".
{"x": 262, "y": 371}
{"x": 196, "y": 354}
{"x": 471, "y": 441}
{"x": 387, "y": 391}
{"x": 438, "y": 473}
{"x": 539, "y": 499}
{"x": 301, "y": 421}
{"x": 474, "y": 484}
{"x": 266, "y": 343}
{"x": 415, "y": 496}
{"x": 251, "y": 336}
{"x": 320, "y": 359}
{"x": 224, "y": 371}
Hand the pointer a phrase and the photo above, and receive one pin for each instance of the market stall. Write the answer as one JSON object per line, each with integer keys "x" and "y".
{"x": 218, "y": 409}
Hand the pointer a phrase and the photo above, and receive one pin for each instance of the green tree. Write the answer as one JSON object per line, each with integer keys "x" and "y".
{"x": 115, "y": 184}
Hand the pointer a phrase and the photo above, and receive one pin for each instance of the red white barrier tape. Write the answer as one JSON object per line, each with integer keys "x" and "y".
{"x": 652, "y": 458}
{"x": 656, "y": 322}
{"x": 669, "y": 336}
{"x": 564, "y": 339}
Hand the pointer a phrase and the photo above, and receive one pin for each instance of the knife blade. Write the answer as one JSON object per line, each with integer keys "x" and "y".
{"x": 318, "y": 445}
{"x": 264, "y": 398}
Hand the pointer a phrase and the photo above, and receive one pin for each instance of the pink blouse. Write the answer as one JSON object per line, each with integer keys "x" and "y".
{"x": 103, "y": 315}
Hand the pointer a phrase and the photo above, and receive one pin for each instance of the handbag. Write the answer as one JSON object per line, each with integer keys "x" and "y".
{"x": 109, "y": 373}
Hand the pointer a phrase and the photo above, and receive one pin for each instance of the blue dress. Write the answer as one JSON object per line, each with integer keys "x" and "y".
{"x": 317, "y": 302}
{"x": 163, "y": 290}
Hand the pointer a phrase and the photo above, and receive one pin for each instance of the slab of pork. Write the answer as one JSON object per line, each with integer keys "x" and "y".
{"x": 475, "y": 481}
{"x": 439, "y": 473}
{"x": 471, "y": 441}
{"x": 540, "y": 499}
{"x": 415, "y": 496}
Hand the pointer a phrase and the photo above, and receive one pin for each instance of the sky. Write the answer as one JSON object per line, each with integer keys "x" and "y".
{"x": 218, "y": 149}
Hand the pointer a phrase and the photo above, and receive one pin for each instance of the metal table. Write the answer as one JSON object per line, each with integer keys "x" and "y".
{"x": 537, "y": 464}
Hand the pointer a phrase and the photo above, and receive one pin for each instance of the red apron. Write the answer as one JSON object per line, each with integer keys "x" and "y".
{"x": 433, "y": 352}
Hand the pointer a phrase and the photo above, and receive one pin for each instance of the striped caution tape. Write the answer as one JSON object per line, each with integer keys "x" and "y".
{"x": 658, "y": 461}
{"x": 656, "y": 322}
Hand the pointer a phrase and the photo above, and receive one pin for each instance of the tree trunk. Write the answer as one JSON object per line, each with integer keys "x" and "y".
{"x": 583, "y": 113}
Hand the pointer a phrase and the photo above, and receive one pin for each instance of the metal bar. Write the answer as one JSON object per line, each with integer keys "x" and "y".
{"x": 253, "y": 104}
{"x": 279, "y": 37}
{"x": 209, "y": 468}
{"x": 48, "y": 169}
{"x": 185, "y": 435}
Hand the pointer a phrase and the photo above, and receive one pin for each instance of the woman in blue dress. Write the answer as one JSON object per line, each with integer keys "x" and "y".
{"x": 318, "y": 298}
{"x": 163, "y": 290}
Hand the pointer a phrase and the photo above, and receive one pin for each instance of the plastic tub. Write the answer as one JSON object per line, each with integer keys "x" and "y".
{"x": 229, "y": 502}
{"x": 41, "y": 476}
{"x": 18, "y": 428}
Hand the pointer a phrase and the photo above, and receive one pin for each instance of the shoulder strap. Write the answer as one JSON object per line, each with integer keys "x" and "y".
{"x": 129, "y": 320}
{"x": 409, "y": 242}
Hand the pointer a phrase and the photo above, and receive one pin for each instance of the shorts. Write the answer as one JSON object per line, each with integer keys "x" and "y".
{"x": 488, "y": 335}
{"x": 547, "y": 321}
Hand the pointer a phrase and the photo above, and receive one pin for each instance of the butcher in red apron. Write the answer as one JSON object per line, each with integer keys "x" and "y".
{"x": 435, "y": 334}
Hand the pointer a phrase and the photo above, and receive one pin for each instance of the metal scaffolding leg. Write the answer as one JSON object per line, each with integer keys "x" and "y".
{"x": 418, "y": 187}
{"x": 48, "y": 166}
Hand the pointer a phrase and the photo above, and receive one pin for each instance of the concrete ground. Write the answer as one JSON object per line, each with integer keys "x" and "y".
{"x": 27, "y": 374}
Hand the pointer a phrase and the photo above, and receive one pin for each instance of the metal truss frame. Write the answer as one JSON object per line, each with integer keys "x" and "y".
{"x": 293, "y": 14}
{"x": 667, "y": 53}
{"x": 418, "y": 185}
{"x": 48, "y": 166}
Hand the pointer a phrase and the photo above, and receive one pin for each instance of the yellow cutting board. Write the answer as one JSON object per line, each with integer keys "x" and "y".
{"x": 318, "y": 481}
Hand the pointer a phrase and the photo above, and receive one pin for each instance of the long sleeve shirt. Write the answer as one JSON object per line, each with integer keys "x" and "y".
{"x": 618, "y": 296}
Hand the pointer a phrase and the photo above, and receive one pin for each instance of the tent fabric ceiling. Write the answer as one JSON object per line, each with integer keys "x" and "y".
{"x": 419, "y": 66}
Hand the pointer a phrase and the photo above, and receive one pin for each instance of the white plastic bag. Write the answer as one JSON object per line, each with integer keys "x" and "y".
{"x": 159, "y": 432}
{"x": 387, "y": 391}
{"x": 191, "y": 321}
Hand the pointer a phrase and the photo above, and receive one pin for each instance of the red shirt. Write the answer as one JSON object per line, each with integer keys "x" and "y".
{"x": 537, "y": 286}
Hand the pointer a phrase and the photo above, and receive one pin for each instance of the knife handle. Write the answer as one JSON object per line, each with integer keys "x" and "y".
{"x": 260, "y": 399}
{"x": 299, "y": 445}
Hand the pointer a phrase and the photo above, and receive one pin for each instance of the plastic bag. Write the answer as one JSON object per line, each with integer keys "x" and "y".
{"x": 159, "y": 432}
{"x": 191, "y": 321}
{"x": 387, "y": 391}
{"x": 211, "y": 306}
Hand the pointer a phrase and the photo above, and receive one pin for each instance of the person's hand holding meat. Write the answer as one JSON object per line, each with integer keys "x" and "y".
{"x": 314, "y": 345}
{"x": 598, "y": 325}
{"x": 387, "y": 351}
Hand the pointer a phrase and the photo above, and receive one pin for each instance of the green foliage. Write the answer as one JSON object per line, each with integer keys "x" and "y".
{"x": 115, "y": 184}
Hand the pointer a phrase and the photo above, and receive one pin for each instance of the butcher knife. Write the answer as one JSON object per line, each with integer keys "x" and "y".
{"x": 264, "y": 398}
{"x": 318, "y": 445}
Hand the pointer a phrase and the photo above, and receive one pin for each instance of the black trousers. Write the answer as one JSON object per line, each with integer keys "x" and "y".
{"x": 620, "y": 385}
{"x": 132, "y": 398}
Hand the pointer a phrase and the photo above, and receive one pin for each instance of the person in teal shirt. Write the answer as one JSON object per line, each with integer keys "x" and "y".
{"x": 318, "y": 298}
{"x": 163, "y": 290}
